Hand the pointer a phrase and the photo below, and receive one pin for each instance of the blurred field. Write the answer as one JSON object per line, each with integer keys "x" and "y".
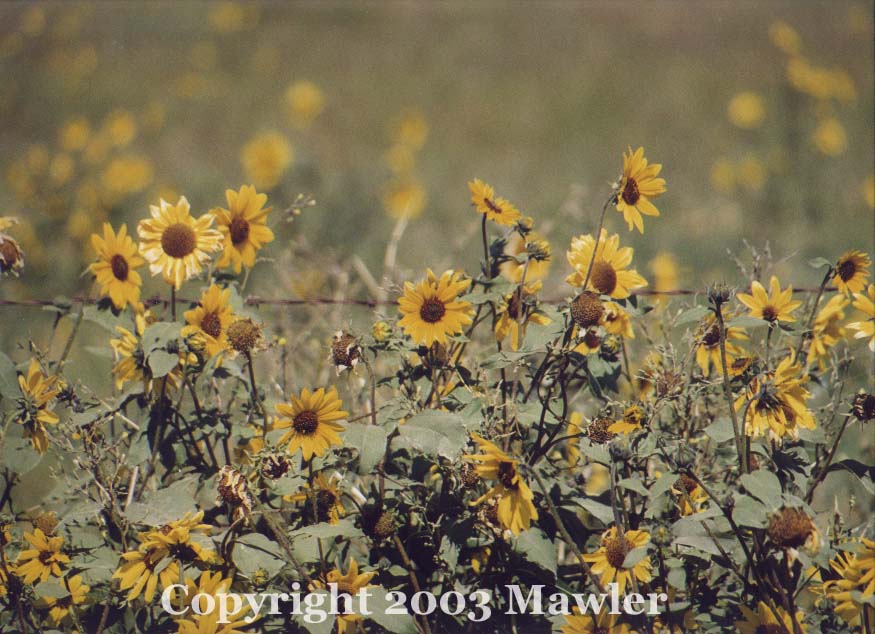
{"x": 538, "y": 100}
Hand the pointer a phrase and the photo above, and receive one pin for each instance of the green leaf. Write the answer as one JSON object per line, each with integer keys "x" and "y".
{"x": 535, "y": 547}
{"x": 663, "y": 485}
{"x": 165, "y": 505}
{"x": 159, "y": 334}
{"x": 819, "y": 263}
{"x": 602, "y": 512}
{"x": 434, "y": 433}
{"x": 746, "y": 321}
{"x": 8, "y": 382}
{"x": 720, "y": 430}
{"x": 394, "y": 623}
{"x": 763, "y": 485}
{"x": 370, "y": 440}
{"x": 749, "y": 512}
{"x": 694, "y": 314}
{"x": 255, "y": 552}
{"x": 634, "y": 556}
{"x": 325, "y": 530}
{"x": 103, "y": 318}
{"x": 162, "y": 362}
{"x": 633, "y": 484}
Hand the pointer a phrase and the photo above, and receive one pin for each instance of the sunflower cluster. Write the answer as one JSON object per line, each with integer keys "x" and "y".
{"x": 479, "y": 433}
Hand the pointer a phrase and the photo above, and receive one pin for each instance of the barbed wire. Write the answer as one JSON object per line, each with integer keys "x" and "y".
{"x": 255, "y": 300}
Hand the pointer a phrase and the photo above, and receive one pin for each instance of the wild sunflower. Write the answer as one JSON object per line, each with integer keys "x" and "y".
{"x": 314, "y": 420}
{"x": 43, "y": 559}
{"x": 634, "y": 417}
{"x": 214, "y": 585}
{"x": 852, "y": 271}
{"x": 34, "y": 405}
{"x": 764, "y": 620}
{"x": 827, "y": 330}
{"x": 638, "y": 186}
{"x": 572, "y": 445}
{"x": 609, "y": 275}
{"x": 602, "y": 623}
{"x": 174, "y": 243}
{"x": 349, "y": 583}
{"x": 515, "y": 508}
{"x": 499, "y": 210}
{"x": 117, "y": 258}
{"x": 776, "y": 305}
{"x": 131, "y": 363}
{"x": 866, "y": 305}
{"x": 537, "y": 264}
{"x": 60, "y": 607}
{"x": 141, "y": 571}
{"x": 616, "y": 321}
{"x": 514, "y": 314}
{"x": 243, "y": 226}
{"x": 431, "y": 310}
{"x": 608, "y": 560}
{"x": 328, "y": 502}
{"x": 708, "y": 346}
{"x": 11, "y": 255}
{"x": 778, "y": 402}
{"x": 855, "y": 583}
{"x": 208, "y": 322}
{"x": 691, "y": 496}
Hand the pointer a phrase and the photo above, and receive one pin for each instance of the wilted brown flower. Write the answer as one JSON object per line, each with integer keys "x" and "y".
{"x": 232, "y": 490}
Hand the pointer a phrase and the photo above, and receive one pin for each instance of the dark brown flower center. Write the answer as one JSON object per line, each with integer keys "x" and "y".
{"x": 119, "y": 266}
{"x": 770, "y": 313}
{"x": 789, "y": 528}
{"x": 847, "y": 269}
{"x": 507, "y": 474}
{"x": 432, "y": 310}
{"x": 712, "y": 337}
{"x": 603, "y": 277}
{"x": 513, "y": 306}
{"x": 630, "y": 192}
{"x": 46, "y": 556}
{"x": 598, "y": 432}
{"x": 178, "y": 240}
{"x": 616, "y": 550}
{"x": 687, "y": 483}
{"x": 864, "y": 406}
{"x": 306, "y": 422}
{"x": 239, "y": 231}
{"x": 492, "y": 206}
{"x": 325, "y": 503}
{"x": 212, "y": 325}
{"x": 9, "y": 254}
{"x": 587, "y": 309}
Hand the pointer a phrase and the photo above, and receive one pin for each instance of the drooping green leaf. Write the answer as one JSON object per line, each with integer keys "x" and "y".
{"x": 763, "y": 485}
{"x": 535, "y": 547}
{"x": 370, "y": 441}
{"x": 255, "y": 552}
{"x": 434, "y": 433}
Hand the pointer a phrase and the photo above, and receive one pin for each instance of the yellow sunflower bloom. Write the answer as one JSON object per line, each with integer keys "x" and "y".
{"x": 708, "y": 346}
{"x": 243, "y": 226}
{"x": 607, "y": 561}
{"x": 609, "y": 275}
{"x": 572, "y": 445}
{"x": 776, "y": 305}
{"x": 214, "y": 585}
{"x": 866, "y": 305}
{"x": 130, "y": 360}
{"x": 139, "y": 573}
{"x": 43, "y": 559}
{"x": 514, "y": 314}
{"x": 778, "y": 402}
{"x": 208, "y": 322}
{"x": 827, "y": 330}
{"x": 59, "y": 607}
{"x": 117, "y": 258}
{"x": 536, "y": 269}
{"x": 691, "y": 496}
{"x": 314, "y": 420}
{"x": 350, "y": 582}
{"x": 174, "y": 243}
{"x": 329, "y": 506}
{"x": 34, "y": 406}
{"x": 499, "y": 210}
{"x": 855, "y": 583}
{"x": 515, "y": 508}
{"x": 764, "y": 620}
{"x": 852, "y": 271}
{"x": 638, "y": 186}
{"x": 431, "y": 310}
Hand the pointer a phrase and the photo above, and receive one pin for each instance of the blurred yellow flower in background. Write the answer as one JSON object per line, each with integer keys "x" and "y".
{"x": 266, "y": 158}
{"x": 829, "y": 137}
{"x": 304, "y": 102}
{"x": 404, "y": 199}
{"x": 120, "y": 128}
{"x": 127, "y": 174}
{"x": 751, "y": 173}
{"x": 75, "y": 134}
{"x": 746, "y": 110}
{"x": 785, "y": 37}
